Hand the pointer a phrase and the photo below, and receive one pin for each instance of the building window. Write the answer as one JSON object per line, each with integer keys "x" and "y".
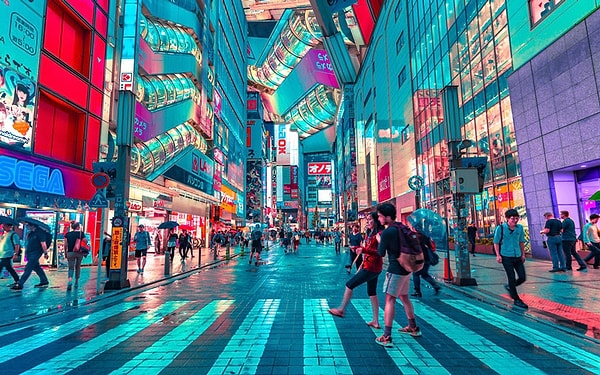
{"x": 402, "y": 77}
{"x": 539, "y": 10}
{"x": 400, "y": 42}
{"x": 70, "y": 39}
{"x": 405, "y": 134}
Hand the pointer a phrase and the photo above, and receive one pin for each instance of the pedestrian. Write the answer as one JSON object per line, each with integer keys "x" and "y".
{"x": 10, "y": 246}
{"x": 592, "y": 240}
{"x": 157, "y": 242}
{"x": 142, "y": 243}
{"x": 509, "y": 244}
{"x": 183, "y": 245}
{"x": 74, "y": 254}
{"x": 35, "y": 247}
{"x": 472, "y": 236}
{"x": 355, "y": 239}
{"x": 337, "y": 240}
{"x": 397, "y": 279}
{"x": 171, "y": 243}
{"x": 106, "y": 245}
{"x": 552, "y": 229}
{"x": 569, "y": 239}
{"x": 423, "y": 273}
{"x": 368, "y": 273}
{"x": 257, "y": 237}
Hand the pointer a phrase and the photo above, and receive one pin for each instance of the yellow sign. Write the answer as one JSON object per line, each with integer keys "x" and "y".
{"x": 115, "y": 248}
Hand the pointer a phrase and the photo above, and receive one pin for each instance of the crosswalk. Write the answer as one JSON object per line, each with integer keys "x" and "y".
{"x": 254, "y": 340}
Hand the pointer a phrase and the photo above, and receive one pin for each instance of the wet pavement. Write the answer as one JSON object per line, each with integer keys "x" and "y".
{"x": 234, "y": 317}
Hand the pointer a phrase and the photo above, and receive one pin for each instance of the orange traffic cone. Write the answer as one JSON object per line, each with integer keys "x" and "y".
{"x": 447, "y": 270}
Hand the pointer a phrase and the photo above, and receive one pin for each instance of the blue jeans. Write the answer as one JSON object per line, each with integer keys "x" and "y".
{"x": 570, "y": 252}
{"x": 512, "y": 265}
{"x": 594, "y": 253}
{"x": 556, "y": 252}
{"x": 33, "y": 264}
{"x": 423, "y": 273}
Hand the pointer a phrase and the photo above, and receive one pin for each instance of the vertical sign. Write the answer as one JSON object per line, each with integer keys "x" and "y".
{"x": 129, "y": 47}
{"x": 20, "y": 45}
{"x": 115, "y": 248}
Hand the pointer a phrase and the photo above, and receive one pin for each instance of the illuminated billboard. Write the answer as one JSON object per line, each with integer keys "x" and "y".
{"x": 20, "y": 38}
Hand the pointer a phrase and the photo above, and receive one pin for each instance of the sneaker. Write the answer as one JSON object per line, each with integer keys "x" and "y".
{"x": 385, "y": 341}
{"x": 141, "y": 271}
{"x": 414, "y": 332}
{"x": 437, "y": 290}
{"x": 16, "y": 287}
{"x": 138, "y": 270}
{"x": 13, "y": 284}
{"x": 521, "y": 304}
{"x": 416, "y": 294}
{"x": 582, "y": 269}
{"x": 41, "y": 285}
{"x": 69, "y": 286}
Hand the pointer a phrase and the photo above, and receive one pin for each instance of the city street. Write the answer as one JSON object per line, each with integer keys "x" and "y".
{"x": 232, "y": 317}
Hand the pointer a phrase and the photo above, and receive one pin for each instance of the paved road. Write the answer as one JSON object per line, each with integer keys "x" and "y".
{"x": 237, "y": 318}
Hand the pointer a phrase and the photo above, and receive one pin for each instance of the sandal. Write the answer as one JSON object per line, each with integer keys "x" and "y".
{"x": 374, "y": 325}
{"x": 336, "y": 312}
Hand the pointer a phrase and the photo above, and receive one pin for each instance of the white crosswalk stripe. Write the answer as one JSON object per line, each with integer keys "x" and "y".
{"x": 322, "y": 343}
{"x": 495, "y": 357}
{"x": 408, "y": 354}
{"x": 243, "y": 352}
{"x": 161, "y": 353}
{"x": 55, "y": 333}
{"x": 79, "y": 355}
{"x": 561, "y": 349}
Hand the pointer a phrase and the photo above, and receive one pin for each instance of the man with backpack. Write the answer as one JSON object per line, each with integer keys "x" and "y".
{"x": 397, "y": 278}
{"x": 509, "y": 244}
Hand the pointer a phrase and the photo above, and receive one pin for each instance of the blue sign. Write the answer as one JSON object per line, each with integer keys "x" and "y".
{"x": 98, "y": 200}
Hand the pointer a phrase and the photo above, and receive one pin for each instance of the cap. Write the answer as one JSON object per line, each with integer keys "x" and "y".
{"x": 548, "y": 214}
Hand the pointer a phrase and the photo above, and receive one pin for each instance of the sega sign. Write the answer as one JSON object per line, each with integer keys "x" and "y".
{"x": 26, "y": 175}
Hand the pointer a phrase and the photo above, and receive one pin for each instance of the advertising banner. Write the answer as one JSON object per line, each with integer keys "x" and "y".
{"x": 320, "y": 168}
{"x": 384, "y": 187}
{"x": 20, "y": 45}
{"x": 228, "y": 199}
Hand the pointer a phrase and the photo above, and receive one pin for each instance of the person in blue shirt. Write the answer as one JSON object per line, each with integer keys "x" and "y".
{"x": 509, "y": 244}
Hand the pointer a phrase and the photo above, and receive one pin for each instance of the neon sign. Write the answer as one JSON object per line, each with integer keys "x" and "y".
{"x": 30, "y": 176}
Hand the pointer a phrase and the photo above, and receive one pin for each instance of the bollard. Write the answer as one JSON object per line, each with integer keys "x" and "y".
{"x": 167, "y": 263}
{"x": 227, "y": 252}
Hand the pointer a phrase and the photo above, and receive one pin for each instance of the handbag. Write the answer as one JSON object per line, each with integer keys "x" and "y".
{"x": 544, "y": 244}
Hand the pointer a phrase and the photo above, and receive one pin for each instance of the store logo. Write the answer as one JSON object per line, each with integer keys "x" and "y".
{"x": 30, "y": 176}
{"x": 281, "y": 142}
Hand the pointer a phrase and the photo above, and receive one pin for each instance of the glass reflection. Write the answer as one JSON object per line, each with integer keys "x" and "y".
{"x": 161, "y": 90}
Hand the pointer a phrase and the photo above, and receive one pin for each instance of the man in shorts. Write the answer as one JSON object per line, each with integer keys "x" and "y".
{"x": 397, "y": 279}
{"x": 142, "y": 243}
{"x": 256, "y": 236}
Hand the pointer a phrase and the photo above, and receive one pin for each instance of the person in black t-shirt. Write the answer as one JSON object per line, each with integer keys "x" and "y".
{"x": 472, "y": 236}
{"x": 34, "y": 249}
{"x": 553, "y": 229}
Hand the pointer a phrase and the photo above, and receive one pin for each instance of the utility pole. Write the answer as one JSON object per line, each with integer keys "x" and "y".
{"x": 466, "y": 175}
{"x": 127, "y": 45}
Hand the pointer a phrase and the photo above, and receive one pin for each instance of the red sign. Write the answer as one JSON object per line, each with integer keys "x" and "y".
{"x": 384, "y": 187}
{"x": 319, "y": 168}
{"x": 100, "y": 180}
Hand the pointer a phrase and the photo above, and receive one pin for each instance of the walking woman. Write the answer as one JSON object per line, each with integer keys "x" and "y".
{"x": 372, "y": 266}
{"x": 171, "y": 243}
{"x": 74, "y": 254}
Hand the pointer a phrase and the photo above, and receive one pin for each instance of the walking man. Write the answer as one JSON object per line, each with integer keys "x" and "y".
{"x": 569, "y": 238}
{"x": 552, "y": 229}
{"x": 142, "y": 243}
{"x": 35, "y": 247}
{"x": 397, "y": 279}
{"x": 257, "y": 237}
{"x": 592, "y": 240}
{"x": 472, "y": 236}
{"x": 509, "y": 244}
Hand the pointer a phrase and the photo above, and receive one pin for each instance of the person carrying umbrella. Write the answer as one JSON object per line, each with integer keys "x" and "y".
{"x": 10, "y": 246}
{"x": 35, "y": 247}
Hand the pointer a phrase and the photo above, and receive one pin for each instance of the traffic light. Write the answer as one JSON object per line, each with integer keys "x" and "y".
{"x": 110, "y": 168}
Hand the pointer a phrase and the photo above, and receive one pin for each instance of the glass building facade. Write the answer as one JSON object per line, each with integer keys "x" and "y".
{"x": 465, "y": 44}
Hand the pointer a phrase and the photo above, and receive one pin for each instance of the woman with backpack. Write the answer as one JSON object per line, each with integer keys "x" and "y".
{"x": 74, "y": 254}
